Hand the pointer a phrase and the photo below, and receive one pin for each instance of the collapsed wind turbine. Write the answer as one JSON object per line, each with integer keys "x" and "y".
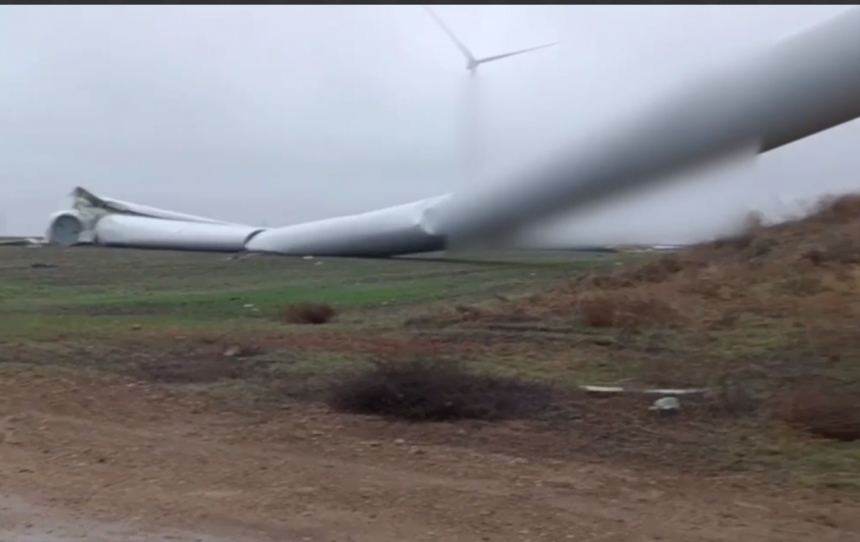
{"x": 798, "y": 87}
{"x": 472, "y": 63}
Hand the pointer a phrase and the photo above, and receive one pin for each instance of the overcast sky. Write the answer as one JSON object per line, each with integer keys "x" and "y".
{"x": 290, "y": 113}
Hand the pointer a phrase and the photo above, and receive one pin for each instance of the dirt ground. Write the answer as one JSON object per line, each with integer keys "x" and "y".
{"x": 101, "y": 459}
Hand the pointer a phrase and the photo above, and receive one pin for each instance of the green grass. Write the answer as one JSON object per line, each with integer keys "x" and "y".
{"x": 97, "y": 282}
{"x": 53, "y": 293}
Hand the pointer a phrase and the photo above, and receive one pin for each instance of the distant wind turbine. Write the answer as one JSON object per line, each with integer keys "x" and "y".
{"x": 471, "y": 135}
{"x": 472, "y": 63}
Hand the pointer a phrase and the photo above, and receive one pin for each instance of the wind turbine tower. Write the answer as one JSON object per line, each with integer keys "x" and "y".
{"x": 471, "y": 122}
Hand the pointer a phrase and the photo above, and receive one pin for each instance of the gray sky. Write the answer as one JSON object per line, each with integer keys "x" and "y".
{"x": 293, "y": 113}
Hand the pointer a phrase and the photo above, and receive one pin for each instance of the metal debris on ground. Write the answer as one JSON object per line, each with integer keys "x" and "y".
{"x": 666, "y": 406}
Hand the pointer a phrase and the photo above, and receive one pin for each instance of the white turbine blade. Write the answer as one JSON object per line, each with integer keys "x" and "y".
{"x": 506, "y": 55}
{"x": 801, "y": 86}
{"x": 81, "y": 194}
{"x": 86, "y": 200}
{"x": 391, "y": 231}
{"x": 116, "y": 230}
{"x": 107, "y": 227}
{"x": 468, "y": 54}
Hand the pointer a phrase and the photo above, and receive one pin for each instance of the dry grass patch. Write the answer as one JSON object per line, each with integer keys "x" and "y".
{"x": 779, "y": 272}
{"x": 826, "y": 410}
{"x": 624, "y": 310}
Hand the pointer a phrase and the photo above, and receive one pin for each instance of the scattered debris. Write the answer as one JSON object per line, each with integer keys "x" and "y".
{"x": 241, "y": 351}
{"x": 666, "y": 406}
{"x": 21, "y": 241}
{"x": 244, "y": 255}
{"x": 618, "y": 390}
{"x": 232, "y": 352}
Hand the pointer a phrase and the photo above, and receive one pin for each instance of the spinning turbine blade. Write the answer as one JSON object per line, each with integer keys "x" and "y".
{"x": 468, "y": 54}
{"x": 506, "y": 55}
{"x": 805, "y": 84}
{"x": 800, "y": 86}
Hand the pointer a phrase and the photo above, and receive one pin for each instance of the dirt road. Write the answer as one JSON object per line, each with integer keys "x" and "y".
{"x": 105, "y": 460}
{"x": 25, "y": 522}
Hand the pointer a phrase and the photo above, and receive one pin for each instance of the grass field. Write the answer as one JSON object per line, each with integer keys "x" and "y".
{"x": 212, "y": 324}
{"x": 116, "y": 287}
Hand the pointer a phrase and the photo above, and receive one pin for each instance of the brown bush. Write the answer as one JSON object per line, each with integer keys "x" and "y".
{"x": 436, "y": 390}
{"x": 658, "y": 270}
{"x": 308, "y": 313}
{"x": 830, "y": 411}
{"x": 625, "y": 310}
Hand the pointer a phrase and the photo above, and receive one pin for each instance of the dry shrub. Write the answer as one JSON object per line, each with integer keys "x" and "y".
{"x": 649, "y": 272}
{"x": 838, "y": 250}
{"x": 769, "y": 271}
{"x": 829, "y": 216}
{"x": 658, "y": 270}
{"x": 827, "y": 410}
{"x": 833, "y": 210}
{"x": 436, "y": 390}
{"x": 624, "y": 309}
{"x": 753, "y": 225}
{"x": 308, "y": 313}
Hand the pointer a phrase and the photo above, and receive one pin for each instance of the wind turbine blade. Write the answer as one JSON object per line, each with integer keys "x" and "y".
{"x": 506, "y": 55}
{"x": 800, "y": 86}
{"x": 468, "y": 54}
{"x": 84, "y": 199}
